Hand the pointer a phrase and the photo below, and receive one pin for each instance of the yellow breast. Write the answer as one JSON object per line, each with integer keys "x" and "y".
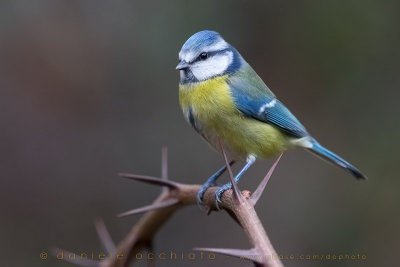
{"x": 212, "y": 108}
{"x": 207, "y": 97}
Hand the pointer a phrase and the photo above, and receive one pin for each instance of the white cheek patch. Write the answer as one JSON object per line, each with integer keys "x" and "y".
{"x": 213, "y": 66}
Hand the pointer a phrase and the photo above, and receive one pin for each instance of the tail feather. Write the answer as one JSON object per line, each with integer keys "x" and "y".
{"x": 321, "y": 151}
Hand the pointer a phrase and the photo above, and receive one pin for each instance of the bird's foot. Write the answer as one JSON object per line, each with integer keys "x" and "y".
{"x": 219, "y": 192}
{"x": 202, "y": 191}
{"x": 212, "y": 181}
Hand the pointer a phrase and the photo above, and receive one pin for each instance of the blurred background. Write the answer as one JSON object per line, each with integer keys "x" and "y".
{"x": 89, "y": 89}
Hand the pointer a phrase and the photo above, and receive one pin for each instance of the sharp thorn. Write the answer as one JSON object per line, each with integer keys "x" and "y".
{"x": 164, "y": 168}
{"x": 248, "y": 254}
{"x": 104, "y": 235}
{"x": 155, "y": 206}
{"x": 236, "y": 192}
{"x": 150, "y": 180}
{"x": 75, "y": 258}
{"x": 260, "y": 189}
{"x": 164, "y": 163}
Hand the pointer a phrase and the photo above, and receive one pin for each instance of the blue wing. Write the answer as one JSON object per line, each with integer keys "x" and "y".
{"x": 254, "y": 99}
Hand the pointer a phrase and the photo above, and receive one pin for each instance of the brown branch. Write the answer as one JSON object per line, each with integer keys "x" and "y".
{"x": 144, "y": 231}
{"x": 174, "y": 196}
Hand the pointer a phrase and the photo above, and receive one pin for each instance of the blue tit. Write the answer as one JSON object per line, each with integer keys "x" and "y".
{"x": 223, "y": 98}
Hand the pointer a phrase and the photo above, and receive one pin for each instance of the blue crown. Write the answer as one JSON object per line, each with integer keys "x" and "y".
{"x": 200, "y": 40}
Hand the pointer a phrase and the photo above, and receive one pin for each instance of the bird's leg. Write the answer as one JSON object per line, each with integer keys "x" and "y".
{"x": 250, "y": 160}
{"x": 210, "y": 182}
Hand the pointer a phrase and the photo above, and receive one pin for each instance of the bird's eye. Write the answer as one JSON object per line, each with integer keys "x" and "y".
{"x": 203, "y": 56}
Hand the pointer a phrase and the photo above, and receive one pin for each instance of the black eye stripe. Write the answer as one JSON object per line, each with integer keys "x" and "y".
{"x": 209, "y": 54}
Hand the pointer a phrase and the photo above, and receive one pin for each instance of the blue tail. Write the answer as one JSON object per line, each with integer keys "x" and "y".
{"x": 335, "y": 159}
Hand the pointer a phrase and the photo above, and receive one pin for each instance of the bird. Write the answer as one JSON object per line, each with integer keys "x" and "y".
{"x": 230, "y": 106}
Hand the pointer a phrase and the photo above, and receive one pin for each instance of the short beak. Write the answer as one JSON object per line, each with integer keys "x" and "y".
{"x": 182, "y": 65}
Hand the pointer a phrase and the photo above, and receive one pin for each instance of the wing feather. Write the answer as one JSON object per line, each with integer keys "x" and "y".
{"x": 254, "y": 99}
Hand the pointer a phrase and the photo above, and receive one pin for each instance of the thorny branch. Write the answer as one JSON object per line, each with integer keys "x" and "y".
{"x": 174, "y": 196}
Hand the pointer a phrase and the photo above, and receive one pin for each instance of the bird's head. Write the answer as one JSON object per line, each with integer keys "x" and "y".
{"x": 207, "y": 55}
